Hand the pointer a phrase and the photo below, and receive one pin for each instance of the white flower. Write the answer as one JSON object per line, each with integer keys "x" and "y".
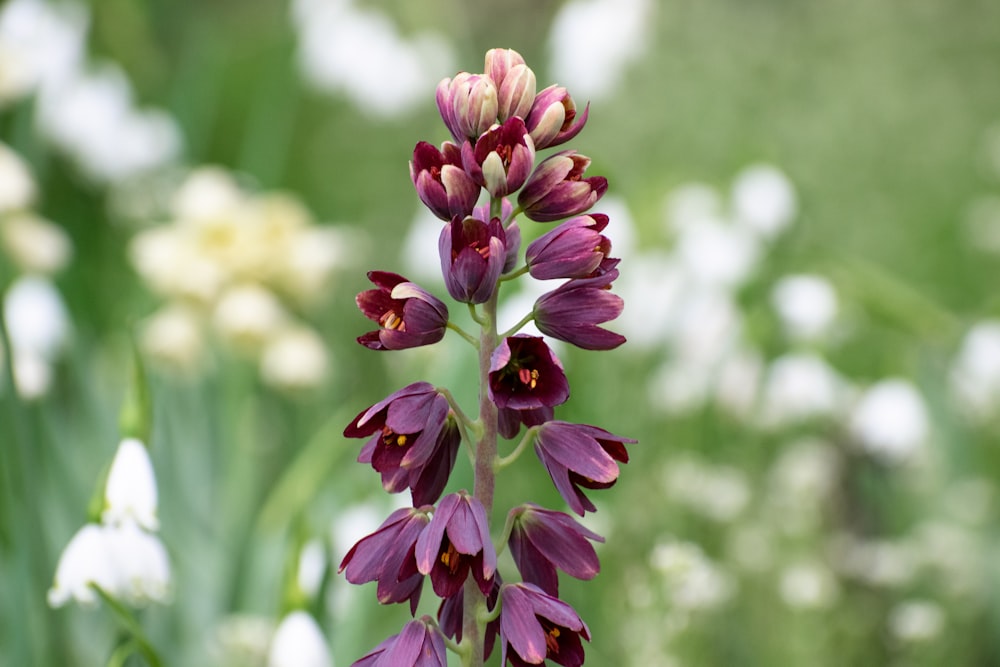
{"x": 312, "y": 566}
{"x": 41, "y": 43}
{"x": 130, "y": 493}
{"x": 808, "y": 585}
{"x": 916, "y": 620}
{"x": 299, "y": 642}
{"x": 248, "y": 316}
{"x": 718, "y": 254}
{"x": 17, "y": 187}
{"x": 85, "y": 560}
{"x": 32, "y": 374}
{"x": 890, "y": 421}
{"x": 36, "y": 317}
{"x": 295, "y": 359}
{"x": 806, "y": 304}
{"x": 35, "y": 244}
{"x": 764, "y": 200}
{"x": 798, "y": 387}
{"x": 692, "y": 581}
{"x": 975, "y": 373}
{"x": 172, "y": 337}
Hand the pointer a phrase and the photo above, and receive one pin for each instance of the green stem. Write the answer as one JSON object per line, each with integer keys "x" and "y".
{"x": 476, "y": 316}
{"x": 517, "y": 327}
{"x": 504, "y": 461}
{"x": 465, "y": 425}
{"x": 513, "y": 214}
{"x": 514, "y": 274}
{"x": 505, "y": 535}
{"x": 461, "y": 332}
{"x": 122, "y": 653}
{"x": 130, "y": 624}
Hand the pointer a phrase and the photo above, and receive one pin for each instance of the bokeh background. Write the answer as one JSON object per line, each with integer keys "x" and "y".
{"x": 806, "y": 200}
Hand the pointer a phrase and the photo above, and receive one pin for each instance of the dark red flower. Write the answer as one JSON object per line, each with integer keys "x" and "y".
{"x": 501, "y": 158}
{"x": 535, "y": 627}
{"x": 509, "y": 420}
{"x": 574, "y": 249}
{"x": 578, "y": 455}
{"x": 542, "y": 541}
{"x": 525, "y": 374}
{"x": 451, "y": 611}
{"x": 473, "y": 254}
{"x": 408, "y": 315}
{"x": 456, "y": 542}
{"x": 441, "y": 181}
{"x": 553, "y": 119}
{"x": 414, "y": 441}
{"x": 419, "y": 644}
{"x": 557, "y": 188}
{"x": 573, "y": 310}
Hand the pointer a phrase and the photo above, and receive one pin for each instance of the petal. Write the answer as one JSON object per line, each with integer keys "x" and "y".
{"x": 519, "y": 627}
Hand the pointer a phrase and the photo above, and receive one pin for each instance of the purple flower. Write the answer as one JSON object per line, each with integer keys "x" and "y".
{"x": 512, "y": 232}
{"x": 509, "y": 420}
{"x": 578, "y": 455}
{"x": 457, "y": 541}
{"x": 572, "y": 311}
{"x": 387, "y": 556}
{"x": 408, "y": 315}
{"x": 558, "y": 190}
{"x": 419, "y": 644}
{"x": 535, "y": 627}
{"x": 502, "y": 157}
{"x": 468, "y": 105}
{"x": 553, "y": 119}
{"x": 473, "y": 254}
{"x": 441, "y": 181}
{"x": 542, "y": 541}
{"x": 525, "y": 374}
{"x": 414, "y": 441}
{"x": 574, "y": 249}
{"x": 514, "y": 80}
{"x": 451, "y": 611}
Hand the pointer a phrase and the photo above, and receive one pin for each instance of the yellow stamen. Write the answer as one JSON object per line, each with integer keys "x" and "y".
{"x": 551, "y": 640}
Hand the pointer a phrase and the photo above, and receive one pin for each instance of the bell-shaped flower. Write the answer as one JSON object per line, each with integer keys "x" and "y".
{"x": 512, "y": 231}
{"x": 451, "y": 612}
{"x": 501, "y": 158}
{"x": 414, "y": 441}
{"x": 578, "y": 455}
{"x": 408, "y": 315}
{"x": 509, "y": 420}
{"x": 419, "y": 644}
{"x": 456, "y": 542}
{"x": 441, "y": 181}
{"x": 468, "y": 105}
{"x": 572, "y": 311}
{"x": 85, "y": 561}
{"x": 574, "y": 249}
{"x": 473, "y": 254}
{"x": 557, "y": 188}
{"x": 130, "y": 492}
{"x": 535, "y": 627}
{"x": 525, "y": 374}
{"x": 299, "y": 642}
{"x": 515, "y": 82}
{"x": 553, "y": 119}
{"x": 542, "y": 541}
{"x": 387, "y": 556}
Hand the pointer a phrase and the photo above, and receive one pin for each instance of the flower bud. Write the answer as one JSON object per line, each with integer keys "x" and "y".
{"x": 441, "y": 182}
{"x": 558, "y": 190}
{"x": 574, "y": 249}
{"x": 552, "y": 119}
{"x": 499, "y": 62}
{"x": 515, "y": 83}
{"x": 501, "y": 159}
{"x": 473, "y": 253}
{"x": 468, "y": 104}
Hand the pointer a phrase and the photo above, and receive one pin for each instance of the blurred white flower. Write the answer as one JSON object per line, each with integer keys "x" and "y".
{"x": 652, "y": 288}
{"x": 207, "y": 193}
{"x": 800, "y": 483}
{"x": 86, "y": 560}
{"x": 172, "y": 337}
{"x": 358, "y": 51}
{"x": 678, "y": 387}
{"x": 690, "y": 204}
{"x": 41, "y": 43}
{"x": 32, "y": 374}
{"x": 17, "y": 187}
{"x": 764, "y": 200}
{"x": 808, "y": 585}
{"x": 916, "y": 620}
{"x": 691, "y": 580}
{"x": 35, "y": 244}
{"x": 616, "y": 33}
{"x": 295, "y": 359}
{"x": 738, "y": 380}
{"x": 36, "y": 317}
{"x": 248, "y": 316}
{"x": 242, "y": 640}
{"x": 299, "y": 642}
{"x": 130, "y": 493}
{"x": 806, "y": 305}
{"x": 801, "y": 386}
{"x": 422, "y": 233}
{"x": 313, "y": 255}
{"x": 883, "y": 563}
{"x": 313, "y": 563}
{"x": 890, "y": 421}
{"x": 975, "y": 372}
{"x": 717, "y": 253}
{"x": 717, "y": 492}
{"x": 169, "y": 262}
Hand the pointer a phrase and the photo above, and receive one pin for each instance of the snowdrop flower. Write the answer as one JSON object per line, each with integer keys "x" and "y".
{"x": 313, "y": 563}
{"x": 85, "y": 561}
{"x": 17, "y": 187}
{"x": 299, "y": 642}
{"x": 916, "y": 620}
{"x": 764, "y": 200}
{"x": 295, "y": 359}
{"x": 36, "y": 317}
{"x": 242, "y": 640}
{"x": 35, "y": 244}
{"x": 32, "y": 375}
{"x": 808, "y": 585}
{"x": 975, "y": 373}
{"x": 798, "y": 387}
{"x": 890, "y": 421}
{"x": 616, "y": 32}
{"x": 806, "y": 305}
{"x": 130, "y": 493}
{"x": 248, "y": 316}
{"x": 173, "y": 338}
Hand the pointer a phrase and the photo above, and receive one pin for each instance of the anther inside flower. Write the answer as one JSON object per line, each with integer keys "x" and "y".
{"x": 525, "y": 374}
{"x": 408, "y": 316}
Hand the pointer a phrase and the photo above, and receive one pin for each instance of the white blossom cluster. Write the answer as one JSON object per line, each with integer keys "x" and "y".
{"x": 240, "y": 265}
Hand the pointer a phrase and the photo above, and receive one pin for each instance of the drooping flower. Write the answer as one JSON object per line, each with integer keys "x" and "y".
{"x": 456, "y": 542}
{"x": 451, "y": 611}
{"x": 468, "y": 105}
{"x": 515, "y": 82}
{"x": 387, "y": 556}
{"x": 557, "y": 188}
{"x": 525, "y": 374}
{"x": 473, "y": 253}
{"x": 130, "y": 492}
{"x": 512, "y": 232}
{"x": 553, "y": 119}
{"x": 535, "y": 627}
{"x": 573, "y": 310}
{"x": 542, "y": 541}
{"x": 419, "y": 644}
{"x": 502, "y": 158}
{"x": 509, "y": 420}
{"x": 441, "y": 181}
{"x": 574, "y": 249}
{"x": 414, "y": 441}
{"x": 299, "y": 642}
{"x": 579, "y": 455}
{"x": 408, "y": 315}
